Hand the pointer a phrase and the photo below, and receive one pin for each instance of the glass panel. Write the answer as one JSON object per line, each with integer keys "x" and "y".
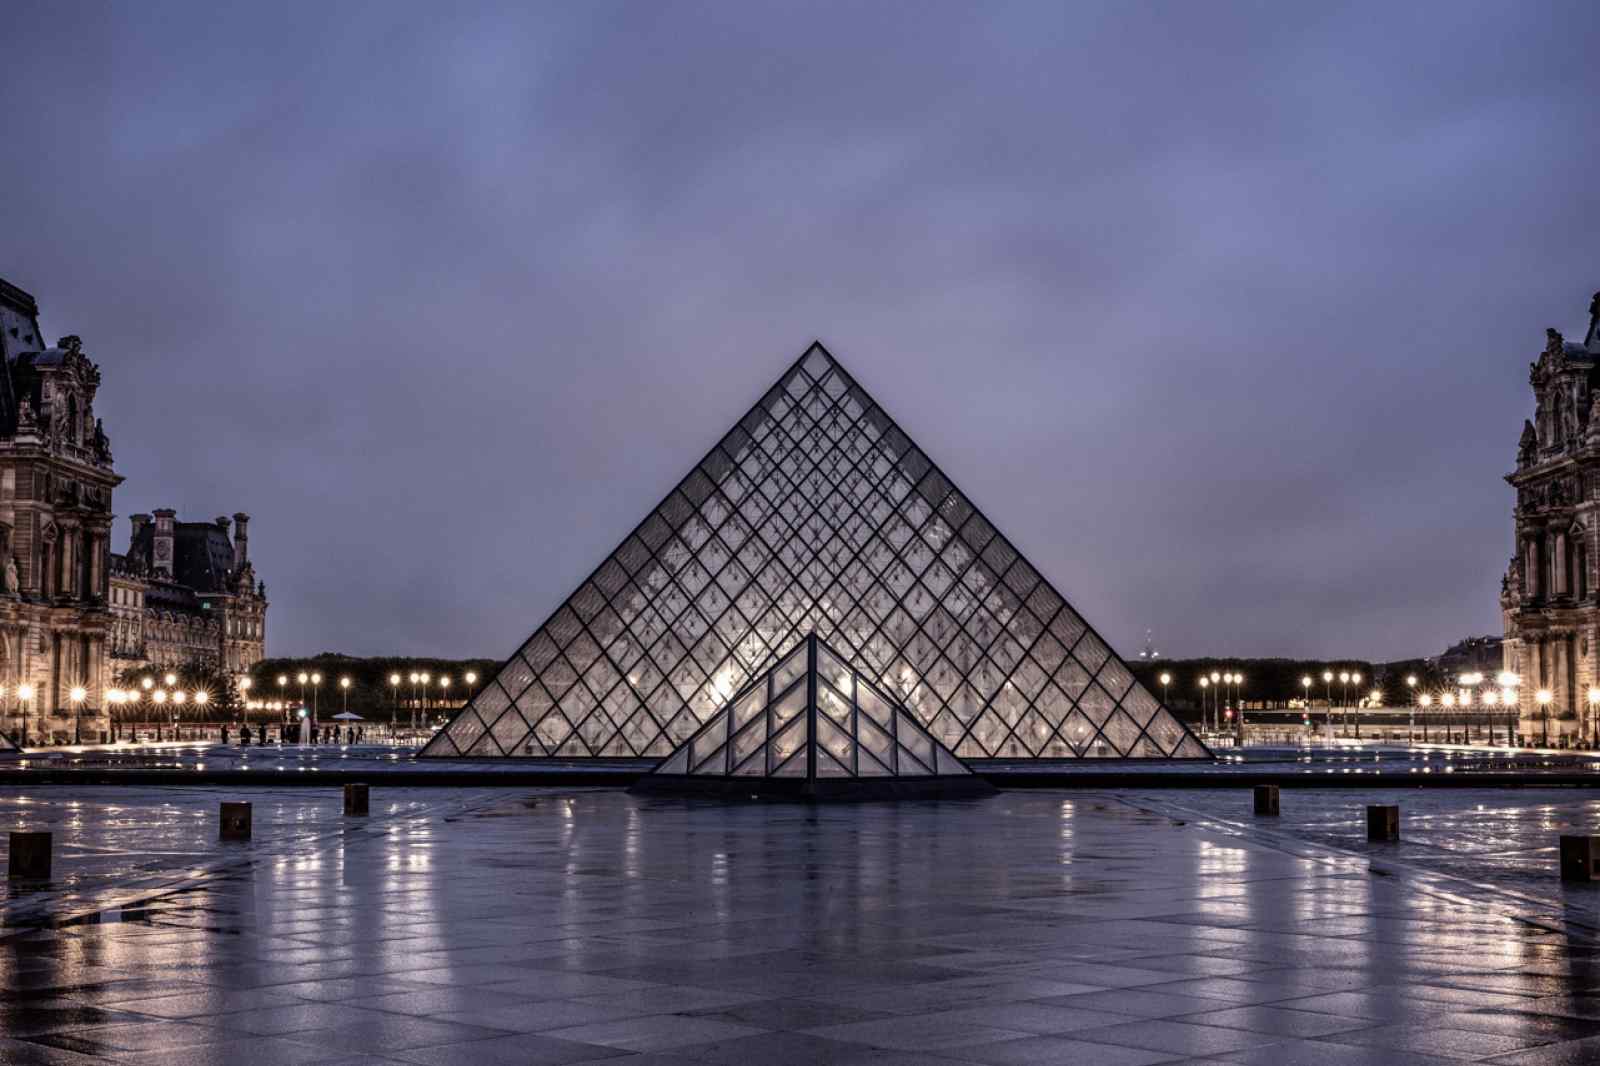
{"x": 748, "y": 741}
{"x": 872, "y": 706}
{"x": 835, "y": 741}
{"x": 833, "y": 705}
{"x": 833, "y": 671}
{"x": 750, "y": 704}
{"x": 793, "y": 665}
{"x": 716, "y": 763}
{"x": 677, "y": 764}
{"x": 787, "y": 742}
{"x": 827, "y": 767}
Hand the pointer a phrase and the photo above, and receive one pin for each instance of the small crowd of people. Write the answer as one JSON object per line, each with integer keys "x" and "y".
{"x": 290, "y": 734}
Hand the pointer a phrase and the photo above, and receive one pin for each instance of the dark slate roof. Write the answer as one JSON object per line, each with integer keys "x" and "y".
{"x": 202, "y": 554}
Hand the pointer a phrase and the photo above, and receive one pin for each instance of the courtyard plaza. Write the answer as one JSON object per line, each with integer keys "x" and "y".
{"x": 555, "y": 925}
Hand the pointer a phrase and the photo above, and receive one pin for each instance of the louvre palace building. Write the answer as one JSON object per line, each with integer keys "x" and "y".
{"x": 815, "y": 599}
{"x": 70, "y": 610}
{"x": 1548, "y": 598}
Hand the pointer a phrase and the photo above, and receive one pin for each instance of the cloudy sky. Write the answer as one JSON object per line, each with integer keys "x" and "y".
{"x": 1222, "y": 312}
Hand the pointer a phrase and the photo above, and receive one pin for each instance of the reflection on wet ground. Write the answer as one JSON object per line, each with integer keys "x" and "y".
{"x": 491, "y": 926}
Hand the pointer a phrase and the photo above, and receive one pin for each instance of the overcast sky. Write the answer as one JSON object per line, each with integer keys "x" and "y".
{"x": 1222, "y": 312}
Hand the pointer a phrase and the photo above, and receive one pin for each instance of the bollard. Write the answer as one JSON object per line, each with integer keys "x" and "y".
{"x": 355, "y": 799}
{"x": 1580, "y": 858}
{"x": 235, "y": 821}
{"x": 1383, "y": 822}
{"x": 29, "y": 858}
{"x": 1267, "y": 800}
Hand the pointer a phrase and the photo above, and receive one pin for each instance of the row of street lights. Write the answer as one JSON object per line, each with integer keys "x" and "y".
{"x": 420, "y": 680}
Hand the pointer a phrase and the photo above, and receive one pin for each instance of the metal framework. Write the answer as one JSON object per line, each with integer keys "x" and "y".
{"x": 815, "y": 514}
{"x": 812, "y": 716}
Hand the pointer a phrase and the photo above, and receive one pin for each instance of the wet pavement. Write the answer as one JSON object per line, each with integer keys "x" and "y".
{"x": 489, "y": 926}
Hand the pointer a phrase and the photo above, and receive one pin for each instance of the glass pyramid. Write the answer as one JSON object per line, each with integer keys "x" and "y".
{"x": 815, "y": 513}
{"x": 812, "y": 716}
{"x": 7, "y": 744}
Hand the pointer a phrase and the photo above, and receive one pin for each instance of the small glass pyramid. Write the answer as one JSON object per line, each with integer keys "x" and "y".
{"x": 816, "y": 514}
{"x": 7, "y": 744}
{"x": 817, "y": 725}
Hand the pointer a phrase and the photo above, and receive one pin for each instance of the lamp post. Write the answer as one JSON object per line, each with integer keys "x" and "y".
{"x": 1426, "y": 701}
{"x": 1165, "y": 679}
{"x": 1216, "y": 713}
{"x": 344, "y": 695}
{"x": 1447, "y": 703}
{"x": 1354, "y": 709}
{"x": 444, "y": 690}
{"x": 394, "y": 702}
{"x": 24, "y": 695}
{"x": 1543, "y": 698}
{"x": 316, "y": 687}
{"x": 1205, "y": 683}
{"x": 422, "y": 709}
{"x": 1411, "y": 708}
{"x": 77, "y": 695}
{"x": 1305, "y": 689}
{"x": 1327, "y": 693}
{"x": 1238, "y": 704}
{"x": 414, "y": 699}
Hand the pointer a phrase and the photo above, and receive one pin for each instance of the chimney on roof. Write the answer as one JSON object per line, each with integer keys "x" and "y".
{"x": 241, "y": 541}
{"x": 161, "y": 561}
{"x": 139, "y": 522}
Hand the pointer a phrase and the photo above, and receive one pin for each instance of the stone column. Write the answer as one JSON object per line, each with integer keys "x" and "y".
{"x": 1558, "y": 566}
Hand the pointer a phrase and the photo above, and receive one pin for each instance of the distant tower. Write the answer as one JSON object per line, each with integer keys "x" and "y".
{"x": 1149, "y": 653}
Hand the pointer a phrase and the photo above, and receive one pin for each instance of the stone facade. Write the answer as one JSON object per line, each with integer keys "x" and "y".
{"x": 1548, "y": 598}
{"x": 187, "y": 593}
{"x": 56, "y": 480}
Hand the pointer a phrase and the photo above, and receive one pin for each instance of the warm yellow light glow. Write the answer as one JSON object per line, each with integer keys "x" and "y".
{"x": 423, "y": 677}
{"x": 1491, "y": 698}
{"x": 1166, "y": 679}
{"x": 1543, "y": 696}
{"x": 1205, "y": 682}
{"x": 1594, "y": 696}
{"x": 472, "y": 678}
{"x": 1507, "y": 697}
{"x": 171, "y": 679}
{"x": 1327, "y": 676}
{"x": 302, "y": 677}
{"x": 244, "y": 684}
{"x": 444, "y": 682}
{"x": 1506, "y": 679}
{"x": 413, "y": 677}
{"x": 147, "y": 683}
{"x": 283, "y": 679}
{"x": 1215, "y": 677}
{"x": 394, "y": 679}
{"x": 1411, "y": 681}
{"x": 1355, "y": 678}
{"x": 1375, "y": 697}
{"x": 78, "y": 695}
{"x": 202, "y": 697}
{"x": 344, "y": 682}
{"x": 1305, "y": 682}
{"x": 316, "y": 679}
{"x": 1447, "y": 700}
{"x": 1426, "y": 700}
{"x": 160, "y": 695}
{"x": 180, "y": 696}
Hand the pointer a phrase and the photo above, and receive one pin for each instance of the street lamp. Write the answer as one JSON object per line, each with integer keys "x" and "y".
{"x": 1426, "y": 701}
{"x": 422, "y": 711}
{"x": 444, "y": 690}
{"x": 1543, "y": 698}
{"x": 1411, "y": 708}
{"x": 77, "y": 695}
{"x": 394, "y": 702}
{"x": 316, "y": 685}
{"x": 344, "y": 695}
{"x": 471, "y": 679}
{"x": 24, "y": 694}
{"x": 1205, "y": 683}
{"x": 1166, "y": 679}
{"x": 1588, "y": 726}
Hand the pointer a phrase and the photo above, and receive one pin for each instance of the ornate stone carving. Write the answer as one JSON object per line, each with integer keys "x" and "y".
{"x": 1528, "y": 446}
